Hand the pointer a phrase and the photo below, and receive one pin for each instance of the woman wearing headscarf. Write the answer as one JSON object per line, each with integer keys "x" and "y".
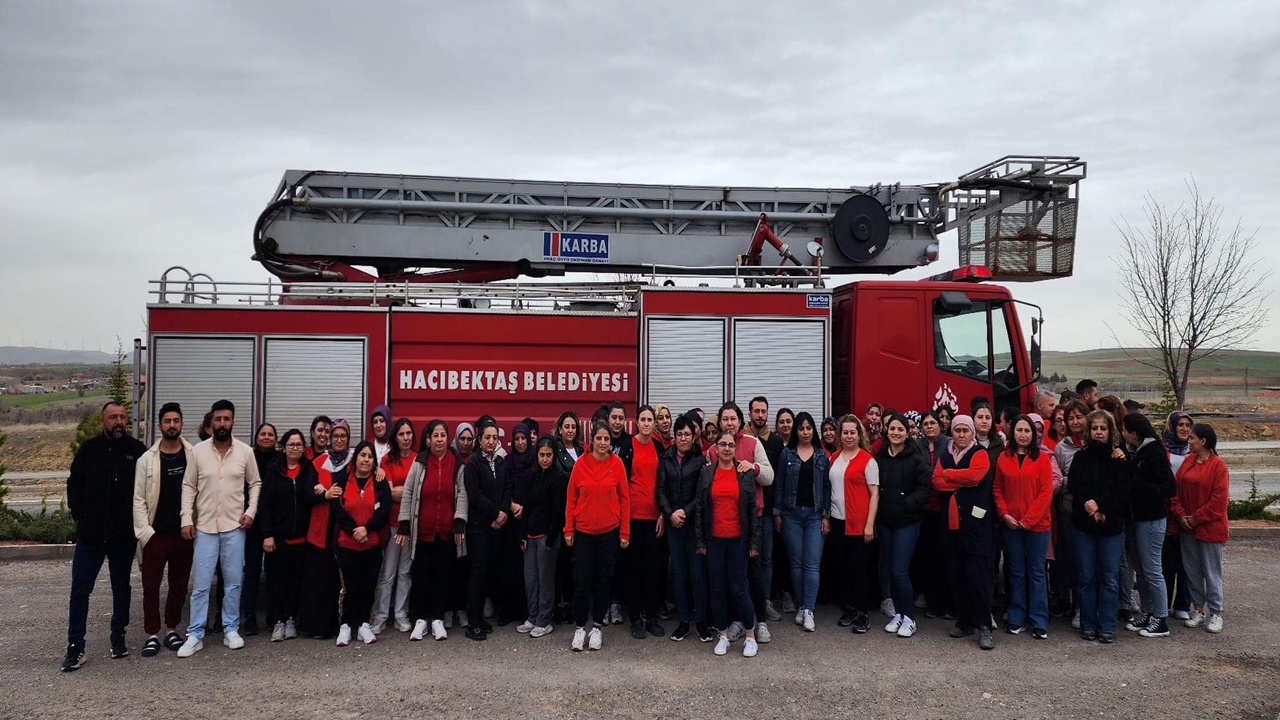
{"x": 360, "y": 512}
{"x": 662, "y": 428}
{"x": 510, "y": 602}
{"x": 464, "y": 441}
{"x": 1176, "y": 438}
{"x": 380, "y": 429}
{"x": 961, "y": 475}
{"x": 321, "y": 584}
{"x": 929, "y": 567}
{"x": 829, "y": 432}
{"x": 394, "y": 576}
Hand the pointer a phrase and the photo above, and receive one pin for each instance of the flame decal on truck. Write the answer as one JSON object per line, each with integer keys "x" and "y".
{"x": 945, "y": 396}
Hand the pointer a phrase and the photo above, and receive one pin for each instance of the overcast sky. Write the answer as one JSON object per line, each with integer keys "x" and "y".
{"x": 138, "y": 136}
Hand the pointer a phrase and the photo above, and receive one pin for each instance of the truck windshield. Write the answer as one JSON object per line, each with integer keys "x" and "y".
{"x": 960, "y": 343}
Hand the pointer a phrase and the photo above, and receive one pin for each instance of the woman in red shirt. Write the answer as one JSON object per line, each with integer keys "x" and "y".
{"x": 1201, "y": 509}
{"x": 728, "y": 534}
{"x": 395, "y": 563}
{"x": 1023, "y": 492}
{"x": 643, "y": 570}
{"x": 597, "y": 521}
{"x": 428, "y": 522}
{"x": 360, "y": 512}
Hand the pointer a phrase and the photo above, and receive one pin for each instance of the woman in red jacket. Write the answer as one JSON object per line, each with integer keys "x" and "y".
{"x": 597, "y": 521}
{"x": 360, "y": 512}
{"x": 645, "y": 572}
{"x": 1023, "y": 491}
{"x": 1201, "y": 509}
{"x": 429, "y": 524}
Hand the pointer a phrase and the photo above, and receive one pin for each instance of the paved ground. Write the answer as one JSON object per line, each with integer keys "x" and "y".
{"x": 830, "y": 673}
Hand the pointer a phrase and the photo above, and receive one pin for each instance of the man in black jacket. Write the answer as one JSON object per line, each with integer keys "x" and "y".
{"x": 100, "y": 497}
{"x": 489, "y": 507}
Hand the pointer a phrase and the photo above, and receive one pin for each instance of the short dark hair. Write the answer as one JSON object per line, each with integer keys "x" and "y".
{"x": 642, "y": 408}
{"x": 223, "y": 404}
{"x": 1085, "y": 386}
{"x": 425, "y": 440}
{"x": 685, "y": 422}
{"x": 109, "y": 403}
{"x": 1010, "y": 415}
{"x": 170, "y": 407}
{"x": 977, "y": 402}
{"x": 615, "y": 405}
{"x": 731, "y": 405}
{"x": 1067, "y": 396}
{"x": 759, "y": 399}
{"x": 532, "y": 425}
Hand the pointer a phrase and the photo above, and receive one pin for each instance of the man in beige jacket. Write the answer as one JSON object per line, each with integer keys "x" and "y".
{"x": 157, "y": 523}
{"x": 215, "y": 515}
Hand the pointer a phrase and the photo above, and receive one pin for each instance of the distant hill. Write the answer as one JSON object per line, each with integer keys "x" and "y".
{"x": 10, "y": 355}
{"x": 1114, "y": 366}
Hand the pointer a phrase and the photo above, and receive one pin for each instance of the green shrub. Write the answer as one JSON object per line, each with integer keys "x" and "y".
{"x": 54, "y": 527}
{"x": 1253, "y": 507}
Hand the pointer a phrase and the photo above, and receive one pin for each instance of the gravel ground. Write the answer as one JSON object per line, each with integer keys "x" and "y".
{"x": 829, "y": 673}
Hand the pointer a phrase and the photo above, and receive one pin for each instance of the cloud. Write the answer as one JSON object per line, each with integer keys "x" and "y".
{"x": 137, "y": 137}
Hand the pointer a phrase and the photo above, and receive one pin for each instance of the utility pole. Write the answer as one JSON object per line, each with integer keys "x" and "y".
{"x": 1246, "y": 381}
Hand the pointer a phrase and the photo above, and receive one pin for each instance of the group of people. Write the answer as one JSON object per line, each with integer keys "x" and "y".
{"x": 1058, "y": 512}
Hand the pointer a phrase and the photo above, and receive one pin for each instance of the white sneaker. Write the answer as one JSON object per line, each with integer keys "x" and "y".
{"x": 460, "y": 618}
{"x": 524, "y": 627}
{"x": 1182, "y": 615}
{"x": 809, "y": 625}
{"x": 595, "y": 638}
{"x": 403, "y": 624}
{"x": 736, "y": 631}
{"x": 419, "y": 630}
{"x": 437, "y": 630}
{"x": 894, "y": 624}
{"x": 1075, "y": 620}
{"x": 192, "y": 646}
{"x": 615, "y": 614}
{"x": 541, "y": 631}
{"x": 762, "y": 633}
{"x": 750, "y": 648}
{"x": 344, "y": 635}
{"x": 579, "y": 639}
{"x": 800, "y": 616}
{"x": 488, "y": 608}
{"x": 1196, "y": 620}
{"x": 290, "y": 630}
{"x": 722, "y": 645}
{"x": 232, "y": 639}
{"x": 907, "y": 629}
{"x": 277, "y": 632}
{"x": 1215, "y": 624}
{"x": 379, "y": 627}
{"x": 886, "y": 607}
{"x": 366, "y": 634}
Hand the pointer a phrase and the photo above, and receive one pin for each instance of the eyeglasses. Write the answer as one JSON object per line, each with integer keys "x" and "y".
{"x": 684, "y": 434}
{"x": 726, "y": 445}
{"x": 293, "y": 446}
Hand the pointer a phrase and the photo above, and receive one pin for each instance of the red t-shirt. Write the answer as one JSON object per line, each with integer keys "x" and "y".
{"x": 726, "y": 517}
{"x": 644, "y": 480}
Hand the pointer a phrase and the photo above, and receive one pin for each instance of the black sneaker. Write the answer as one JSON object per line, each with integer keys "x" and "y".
{"x": 173, "y": 641}
{"x": 486, "y": 627}
{"x": 250, "y": 627}
{"x": 1013, "y": 629}
{"x": 1125, "y": 615}
{"x": 1039, "y": 634}
{"x": 846, "y": 619}
{"x": 704, "y": 633}
{"x": 118, "y": 648}
{"x": 654, "y": 628}
{"x": 1157, "y": 628}
{"x": 637, "y": 629}
{"x": 959, "y": 632}
{"x": 985, "y": 640}
{"x": 861, "y": 623}
{"x": 477, "y": 633}
{"x": 74, "y": 658}
{"x": 152, "y": 647}
{"x": 1089, "y": 635}
{"x": 1138, "y": 623}
{"x": 1106, "y": 638}
{"x": 682, "y": 632}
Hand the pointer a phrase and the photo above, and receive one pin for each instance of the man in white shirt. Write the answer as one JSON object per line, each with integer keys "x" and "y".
{"x": 215, "y": 514}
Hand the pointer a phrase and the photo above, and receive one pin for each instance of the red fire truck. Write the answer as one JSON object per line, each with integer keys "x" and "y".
{"x": 695, "y": 314}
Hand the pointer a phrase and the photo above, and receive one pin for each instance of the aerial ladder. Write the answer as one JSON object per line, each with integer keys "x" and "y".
{"x": 1015, "y": 216}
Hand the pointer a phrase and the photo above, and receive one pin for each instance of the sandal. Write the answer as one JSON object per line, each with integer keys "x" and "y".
{"x": 152, "y": 647}
{"x": 173, "y": 641}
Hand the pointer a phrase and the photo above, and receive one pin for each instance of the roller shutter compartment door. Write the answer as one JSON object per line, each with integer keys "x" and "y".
{"x": 196, "y": 372}
{"x": 783, "y": 360}
{"x": 685, "y": 365}
{"x": 306, "y": 377}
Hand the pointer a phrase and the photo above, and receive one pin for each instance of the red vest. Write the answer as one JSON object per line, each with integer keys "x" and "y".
{"x": 360, "y": 507}
{"x": 857, "y": 495}
{"x": 319, "y": 528}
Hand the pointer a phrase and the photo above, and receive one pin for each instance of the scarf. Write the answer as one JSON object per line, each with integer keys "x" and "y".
{"x": 961, "y": 421}
{"x": 520, "y": 463}
{"x": 1170, "y": 435}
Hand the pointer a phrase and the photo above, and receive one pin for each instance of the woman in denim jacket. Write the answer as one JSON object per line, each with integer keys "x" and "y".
{"x": 802, "y": 493}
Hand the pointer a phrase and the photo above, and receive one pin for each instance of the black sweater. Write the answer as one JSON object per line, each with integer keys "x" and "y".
{"x": 1097, "y": 476}
{"x": 678, "y": 482}
{"x": 906, "y": 483}
{"x": 1151, "y": 483}
{"x": 100, "y": 489}
{"x": 542, "y": 495}
{"x": 488, "y": 492}
{"x": 284, "y": 505}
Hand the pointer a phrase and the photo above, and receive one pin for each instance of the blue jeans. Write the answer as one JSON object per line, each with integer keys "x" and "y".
{"x": 727, "y": 563}
{"x": 209, "y": 548}
{"x": 1098, "y": 576}
{"x": 1024, "y": 552}
{"x": 802, "y": 536}
{"x": 898, "y": 545}
{"x": 85, "y": 566}
{"x": 1146, "y": 548}
{"x": 688, "y": 572}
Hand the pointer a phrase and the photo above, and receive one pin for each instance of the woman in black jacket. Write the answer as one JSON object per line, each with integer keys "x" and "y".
{"x": 568, "y": 449}
{"x": 541, "y": 495}
{"x": 728, "y": 534}
{"x": 905, "y": 487}
{"x": 284, "y": 517}
{"x": 1098, "y": 482}
{"x": 489, "y": 509}
{"x": 1151, "y": 485}
{"x": 678, "y": 469}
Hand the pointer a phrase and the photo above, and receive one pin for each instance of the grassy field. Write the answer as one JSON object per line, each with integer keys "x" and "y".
{"x": 37, "y": 400}
{"x": 1219, "y": 374}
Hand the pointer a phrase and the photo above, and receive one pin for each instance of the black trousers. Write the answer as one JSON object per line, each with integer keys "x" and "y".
{"x": 929, "y": 570}
{"x": 850, "y": 561}
{"x": 284, "y": 581}
{"x": 484, "y": 549}
{"x": 972, "y": 583}
{"x": 594, "y": 558}
{"x": 432, "y": 573}
{"x": 359, "y": 570}
{"x": 643, "y": 571}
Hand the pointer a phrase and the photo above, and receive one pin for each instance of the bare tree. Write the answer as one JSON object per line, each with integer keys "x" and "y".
{"x": 1189, "y": 285}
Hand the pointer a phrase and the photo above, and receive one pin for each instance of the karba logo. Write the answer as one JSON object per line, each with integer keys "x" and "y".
{"x": 575, "y": 247}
